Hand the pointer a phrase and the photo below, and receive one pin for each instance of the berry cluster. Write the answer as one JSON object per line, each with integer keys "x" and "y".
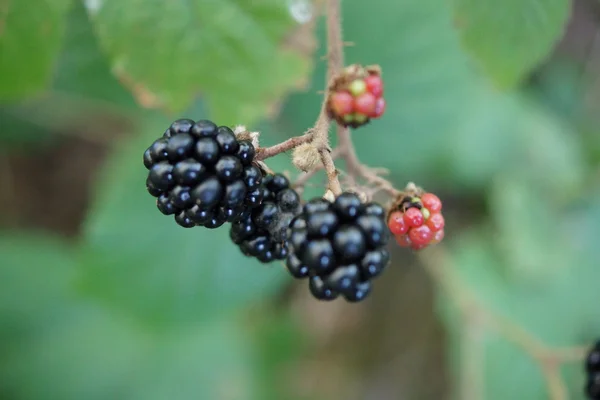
{"x": 202, "y": 174}
{"x": 356, "y": 96}
{"x": 417, "y": 221}
{"x": 339, "y": 246}
{"x": 592, "y": 367}
{"x": 262, "y": 231}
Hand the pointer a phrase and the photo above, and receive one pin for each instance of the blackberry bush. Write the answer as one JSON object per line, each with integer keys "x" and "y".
{"x": 202, "y": 174}
{"x": 262, "y": 231}
{"x": 207, "y": 175}
{"x": 339, "y": 246}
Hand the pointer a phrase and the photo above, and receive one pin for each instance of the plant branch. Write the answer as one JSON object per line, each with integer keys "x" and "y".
{"x": 335, "y": 62}
{"x": 267, "y": 152}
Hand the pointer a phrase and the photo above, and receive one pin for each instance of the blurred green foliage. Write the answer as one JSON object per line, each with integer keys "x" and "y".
{"x": 32, "y": 33}
{"x": 140, "y": 309}
{"x": 509, "y": 41}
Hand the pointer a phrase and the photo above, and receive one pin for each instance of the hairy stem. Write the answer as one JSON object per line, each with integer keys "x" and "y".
{"x": 335, "y": 62}
{"x": 266, "y": 152}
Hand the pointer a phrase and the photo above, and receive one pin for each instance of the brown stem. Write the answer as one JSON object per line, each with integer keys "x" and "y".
{"x": 335, "y": 52}
{"x": 321, "y": 142}
{"x": 266, "y": 152}
{"x": 356, "y": 168}
{"x": 335, "y": 62}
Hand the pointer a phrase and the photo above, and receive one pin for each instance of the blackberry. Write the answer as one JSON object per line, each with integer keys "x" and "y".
{"x": 202, "y": 174}
{"x": 592, "y": 361}
{"x": 592, "y": 387}
{"x": 592, "y": 367}
{"x": 339, "y": 246}
{"x": 262, "y": 231}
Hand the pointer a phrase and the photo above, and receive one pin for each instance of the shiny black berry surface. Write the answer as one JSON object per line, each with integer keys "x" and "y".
{"x": 202, "y": 174}
{"x": 339, "y": 246}
{"x": 262, "y": 231}
{"x": 592, "y": 368}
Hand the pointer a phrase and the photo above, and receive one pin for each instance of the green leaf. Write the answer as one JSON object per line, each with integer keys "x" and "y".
{"x": 83, "y": 90}
{"x": 31, "y": 32}
{"x": 511, "y": 40}
{"x": 141, "y": 261}
{"x": 231, "y": 51}
{"x": 82, "y": 68}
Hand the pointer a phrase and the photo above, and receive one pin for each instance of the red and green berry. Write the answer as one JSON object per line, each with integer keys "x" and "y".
{"x": 356, "y": 96}
{"x": 416, "y": 219}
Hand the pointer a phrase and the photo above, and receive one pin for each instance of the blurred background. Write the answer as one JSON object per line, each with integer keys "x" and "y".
{"x": 494, "y": 107}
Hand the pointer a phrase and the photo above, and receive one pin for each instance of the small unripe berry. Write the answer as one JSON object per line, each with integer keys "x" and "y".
{"x": 436, "y": 222}
{"x": 365, "y": 103}
{"x": 413, "y": 217}
{"x": 396, "y": 223}
{"x": 374, "y": 85}
{"x": 364, "y": 87}
{"x": 437, "y": 237}
{"x": 420, "y": 235}
{"x": 404, "y": 240}
{"x": 379, "y": 108}
{"x": 360, "y": 118}
{"x": 431, "y": 202}
{"x": 342, "y": 103}
{"x": 358, "y": 87}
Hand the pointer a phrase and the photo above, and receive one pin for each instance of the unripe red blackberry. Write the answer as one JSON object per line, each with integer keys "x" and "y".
{"x": 416, "y": 219}
{"x": 262, "y": 231}
{"x": 339, "y": 246}
{"x": 202, "y": 174}
{"x": 356, "y": 96}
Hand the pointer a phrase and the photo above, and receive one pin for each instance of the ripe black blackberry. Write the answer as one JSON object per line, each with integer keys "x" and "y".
{"x": 592, "y": 367}
{"x": 202, "y": 174}
{"x": 262, "y": 231}
{"x": 339, "y": 246}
